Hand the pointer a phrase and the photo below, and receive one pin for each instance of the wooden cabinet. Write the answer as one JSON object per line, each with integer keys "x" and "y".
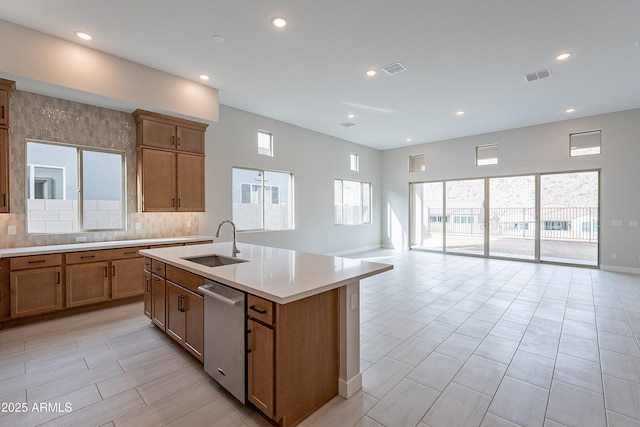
{"x": 148, "y": 298}
{"x": 158, "y": 301}
{"x": 170, "y": 163}
{"x": 103, "y": 275}
{"x": 36, "y": 285}
{"x": 5, "y": 292}
{"x": 87, "y": 283}
{"x": 284, "y": 341}
{"x": 6, "y": 88}
{"x": 185, "y": 310}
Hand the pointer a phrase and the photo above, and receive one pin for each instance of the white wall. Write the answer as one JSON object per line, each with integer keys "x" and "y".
{"x": 542, "y": 148}
{"x": 315, "y": 161}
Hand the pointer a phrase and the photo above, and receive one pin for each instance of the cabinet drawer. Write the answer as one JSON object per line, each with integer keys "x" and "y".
{"x": 260, "y": 309}
{"x": 88, "y": 256}
{"x": 184, "y": 278}
{"x": 124, "y": 253}
{"x": 158, "y": 268}
{"x": 35, "y": 261}
{"x": 146, "y": 264}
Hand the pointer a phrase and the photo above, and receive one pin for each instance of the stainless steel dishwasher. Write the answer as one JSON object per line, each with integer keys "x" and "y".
{"x": 225, "y": 337}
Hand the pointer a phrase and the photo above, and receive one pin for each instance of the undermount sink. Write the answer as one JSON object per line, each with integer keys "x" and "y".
{"x": 214, "y": 260}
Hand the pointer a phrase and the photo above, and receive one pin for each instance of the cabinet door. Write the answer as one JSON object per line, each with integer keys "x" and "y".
{"x": 147, "y": 294}
{"x": 190, "y": 140}
{"x": 5, "y": 292}
{"x": 260, "y": 367}
{"x": 127, "y": 278}
{"x": 158, "y": 134}
{"x": 194, "y": 332}
{"x": 158, "y": 301}
{"x": 190, "y": 183}
{"x": 87, "y": 283}
{"x": 176, "y": 308}
{"x": 158, "y": 177}
{"x": 4, "y": 108}
{"x": 4, "y": 170}
{"x": 35, "y": 291}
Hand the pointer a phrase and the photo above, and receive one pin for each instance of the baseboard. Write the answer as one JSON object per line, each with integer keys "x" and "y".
{"x": 618, "y": 269}
{"x": 347, "y": 389}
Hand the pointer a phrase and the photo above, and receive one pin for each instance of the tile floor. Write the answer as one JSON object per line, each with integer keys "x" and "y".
{"x": 446, "y": 341}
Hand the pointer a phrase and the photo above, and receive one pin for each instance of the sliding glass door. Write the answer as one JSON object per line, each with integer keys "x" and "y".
{"x": 541, "y": 217}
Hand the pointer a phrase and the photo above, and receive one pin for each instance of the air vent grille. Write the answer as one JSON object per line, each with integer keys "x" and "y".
{"x": 537, "y": 75}
{"x": 347, "y": 124}
{"x": 394, "y": 68}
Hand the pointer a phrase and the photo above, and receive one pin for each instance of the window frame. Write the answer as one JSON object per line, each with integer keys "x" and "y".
{"x": 79, "y": 150}
{"x": 483, "y": 160}
{"x": 416, "y": 163}
{"x": 341, "y": 206}
{"x": 354, "y": 162}
{"x": 576, "y": 151}
{"x": 268, "y": 152}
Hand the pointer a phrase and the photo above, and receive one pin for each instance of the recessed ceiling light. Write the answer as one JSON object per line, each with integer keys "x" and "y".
{"x": 217, "y": 38}
{"x": 371, "y": 73}
{"x": 279, "y": 22}
{"x": 459, "y": 113}
{"x": 351, "y": 116}
{"x": 563, "y": 56}
{"x": 204, "y": 77}
{"x": 569, "y": 110}
{"x": 83, "y": 35}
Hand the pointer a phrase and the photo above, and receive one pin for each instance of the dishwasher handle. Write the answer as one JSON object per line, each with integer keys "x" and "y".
{"x": 225, "y": 295}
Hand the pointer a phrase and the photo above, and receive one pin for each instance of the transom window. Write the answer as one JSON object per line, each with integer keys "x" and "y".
{"x": 71, "y": 188}
{"x": 265, "y": 143}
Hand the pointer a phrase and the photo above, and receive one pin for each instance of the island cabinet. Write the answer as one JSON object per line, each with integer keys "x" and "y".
{"x": 36, "y": 284}
{"x": 5, "y": 300}
{"x": 293, "y": 355}
{"x": 103, "y": 275}
{"x": 148, "y": 296}
{"x": 6, "y": 88}
{"x": 170, "y": 163}
{"x": 185, "y": 310}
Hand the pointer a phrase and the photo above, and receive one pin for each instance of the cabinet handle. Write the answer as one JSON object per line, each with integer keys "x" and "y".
{"x": 3, "y": 111}
{"x": 105, "y": 271}
{"x": 113, "y": 270}
{"x": 147, "y": 282}
{"x": 4, "y": 200}
{"x": 155, "y": 279}
{"x": 157, "y": 268}
{"x": 87, "y": 256}
{"x": 40, "y": 261}
{"x": 181, "y": 303}
{"x": 146, "y": 264}
{"x": 58, "y": 278}
{"x": 178, "y": 201}
{"x": 173, "y": 140}
{"x": 253, "y": 307}
{"x": 130, "y": 253}
{"x": 173, "y": 203}
{"x": 178, "y": 141}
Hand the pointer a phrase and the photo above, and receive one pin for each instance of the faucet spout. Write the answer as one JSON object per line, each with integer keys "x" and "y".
{"x": 236, "y": 251}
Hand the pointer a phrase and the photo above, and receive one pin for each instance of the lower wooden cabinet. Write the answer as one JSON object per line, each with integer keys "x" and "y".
{"x": 147, "y": 294}
{"x": 5, "y": 290}
{"x": 87, "y": 283}
{"x": 185, "y": 318}
{"x": 127, "y": 277}
{"x": 260, "y": 367}
{"x": 158, "y": 301}
{"x": 36, "y": 291}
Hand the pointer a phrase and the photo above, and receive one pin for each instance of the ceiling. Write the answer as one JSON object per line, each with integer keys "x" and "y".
{"x": 460, "y": 55}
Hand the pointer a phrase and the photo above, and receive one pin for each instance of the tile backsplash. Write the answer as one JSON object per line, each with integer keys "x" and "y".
{"x": 38, "y": 117}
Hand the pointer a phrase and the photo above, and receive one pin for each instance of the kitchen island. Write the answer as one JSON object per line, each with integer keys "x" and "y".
{"x": 305, "y": 312}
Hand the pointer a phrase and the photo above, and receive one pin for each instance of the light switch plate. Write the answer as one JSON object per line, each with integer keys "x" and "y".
{"x": 616, "y": 223}
{"x": 138, "y": 226}
{"x": 633, "y": 223}
{"x": 11, "y": 230}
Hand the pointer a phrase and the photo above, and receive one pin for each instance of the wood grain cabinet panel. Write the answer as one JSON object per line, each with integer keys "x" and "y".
{"x": 260, "y": 367}
{"x": 6, "y": 88}
{"x": 127, "y": 278}
{"x": 185, "y": 318}
{"x": 36, "y": 291}
{"x": 158, "y": 301}
{"x": 87, "y": 283}
{"x": 157, "y": 177}
{"x": 190, "y": 174}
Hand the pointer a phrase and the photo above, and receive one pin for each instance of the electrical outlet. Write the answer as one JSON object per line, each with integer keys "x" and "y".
{"x": 138, "y": 226}
{"x": 188, "y": 224}
{"x": 11, "y": 230}
{"x": 81, "y": 238}
{"x": 614, "y": 255}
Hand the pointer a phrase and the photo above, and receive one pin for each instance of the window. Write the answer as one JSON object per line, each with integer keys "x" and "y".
{"x": 416, "y": 163}
{"x": 262, "y": 200}
{"x": 265, "y": 143}
{"x": 71, "y": 189}
{"x": 354, "y": 162}
{"x": 585, "y": 143}
{"x": 487, "y": 155}
{"x": 352, "y": 202}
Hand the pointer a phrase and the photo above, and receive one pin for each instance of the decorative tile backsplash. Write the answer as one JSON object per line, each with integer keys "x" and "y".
{"x": 38, "y": 117}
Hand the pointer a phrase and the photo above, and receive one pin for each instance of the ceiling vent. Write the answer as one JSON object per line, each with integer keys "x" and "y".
{"x": 394, "y": 68}
{"x": 347, "y": 124}
{"x": 537, "y": 75}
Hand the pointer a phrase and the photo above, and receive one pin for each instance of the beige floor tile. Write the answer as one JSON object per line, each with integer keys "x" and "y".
{"x": 404, "y": 405}
{"x": 492, "y": 420}
{"x": 495, "y": 348}
{"x": 574, "y": 406}
{"x": 520, "y": 402}
{"x": 436, "y": 371}
{"x": 480, "y": 374}
{"x": 620, "y": 365}
{"x": 367, "y": 422}
{"x": 458, "y": 346}
{"x": 169, "y": 384}
{"x": 339, "y": 411}
{"x": 622, "y": 396}
{"x": 378, "y": 347}
{"x": 436, "y": 331}
{"x": 404, "y": 330}
{"x": 578, "y": 372}
{"x": 457, "y": 406}
{"x": 617, "y": 420}
{"x": 619, "y": 343}
{"x": 383, "y": 376}
{"x": 413, "y": 351}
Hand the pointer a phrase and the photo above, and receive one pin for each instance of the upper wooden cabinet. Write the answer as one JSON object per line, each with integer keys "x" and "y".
{"x": 6, "y": 87}
{"x": 170, "y": 163}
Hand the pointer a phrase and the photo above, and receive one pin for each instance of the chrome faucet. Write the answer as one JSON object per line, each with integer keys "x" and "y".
{"x": 236, "y": 251}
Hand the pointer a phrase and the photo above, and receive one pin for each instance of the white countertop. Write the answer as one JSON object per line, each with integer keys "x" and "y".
{"x": 50, "y": 249}
{"x": 279, "y": 275}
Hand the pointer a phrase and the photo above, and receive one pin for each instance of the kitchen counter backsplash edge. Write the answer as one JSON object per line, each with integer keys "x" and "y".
{"x": 73, "y": 247}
